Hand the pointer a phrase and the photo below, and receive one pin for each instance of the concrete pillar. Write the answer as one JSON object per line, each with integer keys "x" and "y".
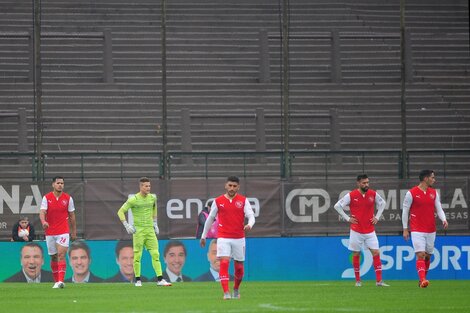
{"x": 335, "y": 137}
{"x": 260, "y": 134}
{"x": 408, "y": 57}
{"x": 336, "y": 75}
{"x": 108, "y": 72}
{"x": 186, "y": 144}
{"x": 31, "y": 54}
{"x": 264, "y": 71}
{"x": 260, "y": 131}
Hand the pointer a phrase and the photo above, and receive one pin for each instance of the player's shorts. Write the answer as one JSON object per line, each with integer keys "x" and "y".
{"x": 423, "y": 241}
{"x": 145, "y": 237}
{"x": 51, "y": 241}
{"x": 358, "y": 240}
{"x": 233, "y": 248}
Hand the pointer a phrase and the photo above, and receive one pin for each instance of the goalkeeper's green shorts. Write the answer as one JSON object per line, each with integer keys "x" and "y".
{"x": 145, "y": 237}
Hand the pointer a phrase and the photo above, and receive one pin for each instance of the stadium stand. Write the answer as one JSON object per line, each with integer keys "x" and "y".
{"x": 102, "y": 84}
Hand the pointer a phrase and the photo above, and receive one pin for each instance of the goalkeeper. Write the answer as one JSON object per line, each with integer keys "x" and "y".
{"x": 144, "y": 211}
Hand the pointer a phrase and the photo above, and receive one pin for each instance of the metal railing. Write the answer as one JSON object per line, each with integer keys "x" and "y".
{"x": 317, "y": 164}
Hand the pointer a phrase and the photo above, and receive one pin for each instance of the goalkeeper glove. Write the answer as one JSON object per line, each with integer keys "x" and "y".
{"x": 155, "y": 226}
{"x": 129, "y": 228}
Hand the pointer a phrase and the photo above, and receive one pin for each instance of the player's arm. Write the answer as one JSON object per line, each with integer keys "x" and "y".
{"x": 73, "y": 226}
{"x": 380, "y": 204}
{"x": 208, "y": 224}
{"x": 405, "y": 214}
{"x": 339, "y": 207}
{"x": 43, "y": 213}
{"x": 72, "y": 220}
{"x": 440, "y": 211}
{"x": 154, "y": 215}
{"x": 250, "y": 215}
{"x": 122, "y": 216}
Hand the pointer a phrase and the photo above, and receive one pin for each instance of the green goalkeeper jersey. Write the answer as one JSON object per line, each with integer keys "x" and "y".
{"x": 144, "y": 209}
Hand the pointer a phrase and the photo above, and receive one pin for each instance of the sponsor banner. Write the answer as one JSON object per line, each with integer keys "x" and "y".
{"x": 281, "y": 208}
{"x": 186, "y": 200}
{"x": 328, "y": 258}
{"x": 309, "y": 207}
{"x": 296, "y": 258}
{"x": 24, "y": 199}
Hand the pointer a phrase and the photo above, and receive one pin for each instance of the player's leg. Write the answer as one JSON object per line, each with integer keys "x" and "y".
{"x": 429, "y": 250}
{"x": 378, "y": 268}
{"x": 138, "y": 245}
{"x": 419, "y": 245}
{"x": 377, "y": 264}
{"x": 62, "y": 245}
{"x": 356, "y": 262}
{"x": 239, "y": 272}
{"x": 238, "y": 254}
{"x": 427, "y": 263}
{"x": 62, "y": 248}
{"x": 355, "y": 244}
{"x": 372, "y": 242}
{"x": 52, "y": 251}
{"x": 421, "y": 268}
{"x": 224, "y": 253}
{"x": 57, "y": 247}
{"x": 151, "y": 243}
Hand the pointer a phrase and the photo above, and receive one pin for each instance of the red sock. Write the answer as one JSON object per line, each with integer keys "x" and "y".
{"x": 223, "y": 274}
{"x": 356, "y": 267}
{"x": 421, "y": 268}
{"x": 378, "y": 267}
{"x": 427, "y": 263}
{"x": 55, "y": 270}
{"x": 239, "y": 270}
{"x": 62, "y": 266}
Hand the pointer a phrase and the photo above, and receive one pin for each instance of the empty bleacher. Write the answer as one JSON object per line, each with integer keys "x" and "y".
{"x": 213, "y": 70}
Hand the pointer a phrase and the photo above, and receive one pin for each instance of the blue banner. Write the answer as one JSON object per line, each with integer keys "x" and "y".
{"x": 296, "y": 258}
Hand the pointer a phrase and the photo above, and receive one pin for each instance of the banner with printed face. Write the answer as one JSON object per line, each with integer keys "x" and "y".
{"x": 281, "y": 208}
{"x": 302, "y": 258}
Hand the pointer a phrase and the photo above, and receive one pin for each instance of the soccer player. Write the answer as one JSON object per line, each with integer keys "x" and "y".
{"x": 419, "y": 206}
{"x": 57, "y": 210}
{"x": 362, "y": 202}
{"x": 144, "y": 230}
{"x": 231, "y": 209}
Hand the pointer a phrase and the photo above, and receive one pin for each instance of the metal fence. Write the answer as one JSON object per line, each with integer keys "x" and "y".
{"x": 303, "y": 164}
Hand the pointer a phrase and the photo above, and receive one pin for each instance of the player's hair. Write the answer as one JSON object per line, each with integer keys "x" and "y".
{"x": 144, "y": 180}
{"x": 122, "y": 244}
{"x": 23, "y": 218}
{"x": 234, "y": 179}
{"x": 55, "y": 178}
{"x": 425, "y": 173}
{"x": 33, "y": 245}
{"x": 79, "y": 245}
{"x": 361, "y": 177}
{"x": 174, "y": 243}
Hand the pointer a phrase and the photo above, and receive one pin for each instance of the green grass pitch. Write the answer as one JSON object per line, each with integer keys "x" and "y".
{"x": 315, "y": 296}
